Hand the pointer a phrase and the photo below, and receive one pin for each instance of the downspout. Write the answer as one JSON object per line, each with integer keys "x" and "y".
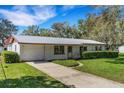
{"x": 67, "y": 52}
{"x": 44, "y": 53}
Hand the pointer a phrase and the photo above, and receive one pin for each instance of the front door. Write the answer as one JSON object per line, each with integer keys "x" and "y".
{"x": 81, "y": 50}
{"x": 69, "y": 51}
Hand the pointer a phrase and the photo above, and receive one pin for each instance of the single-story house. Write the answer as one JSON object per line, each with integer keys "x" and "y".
{"x": 121, "y": 49}
{"x": 49, "y": 48}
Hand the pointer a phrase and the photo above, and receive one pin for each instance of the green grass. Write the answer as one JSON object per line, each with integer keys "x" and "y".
{"x": 110, "y": 68}
{"x": 22, "y": 75}
{"x": 68, "y": 63}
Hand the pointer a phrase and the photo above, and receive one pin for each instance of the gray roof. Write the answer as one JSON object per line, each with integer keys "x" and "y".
{"x": 53, "y": 40}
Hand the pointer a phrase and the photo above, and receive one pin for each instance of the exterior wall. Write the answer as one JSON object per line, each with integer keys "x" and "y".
{"x": 15, "y": 47}
{"x": 40, "y": 52}
{"x": 32, "y": 52}
{"x": 49, "y": 53}
{"x": 1, "y": 49}
{"x": 75, "y": 52}
{"x": 92, "y": 47}
{"x": 45, "y": 52}
{"x": 103, "y": 47}
{"x": 121, "y": 49}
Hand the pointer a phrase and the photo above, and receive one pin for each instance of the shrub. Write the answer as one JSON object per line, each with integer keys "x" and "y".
{"x": 10, "y": 57}
{"x": 121, "y": 54}
{"x": 99, "y": 54}
{"x": 68, "y": 63}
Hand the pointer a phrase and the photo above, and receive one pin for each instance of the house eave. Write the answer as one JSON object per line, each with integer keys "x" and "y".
{"x": 57, "y": 44}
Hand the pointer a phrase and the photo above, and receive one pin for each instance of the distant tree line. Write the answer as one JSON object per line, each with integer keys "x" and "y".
{"x": 106, "y": 26}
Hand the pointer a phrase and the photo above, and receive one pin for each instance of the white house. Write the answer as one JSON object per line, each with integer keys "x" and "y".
{"x": 49, "y": 48}
{"x": 121, "y": 49}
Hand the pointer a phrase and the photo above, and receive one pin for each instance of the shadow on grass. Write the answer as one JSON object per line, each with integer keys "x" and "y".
{"x": 31, "y": 82}
{"x": 117, "y": 61}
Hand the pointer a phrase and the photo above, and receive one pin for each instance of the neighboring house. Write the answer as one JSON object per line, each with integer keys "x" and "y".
{"x": 49, "y": 48}
{"x": 121, "y": 49}
{"x": 1, "y": 49}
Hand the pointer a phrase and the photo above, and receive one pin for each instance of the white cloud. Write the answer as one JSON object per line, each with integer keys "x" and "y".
{"x": 28, "y": 15}
{"x": 68, "y": 7}
{"x": 44, "y": 12}
{"x": 22, "y": 8}
{"x": 64, "y": 14}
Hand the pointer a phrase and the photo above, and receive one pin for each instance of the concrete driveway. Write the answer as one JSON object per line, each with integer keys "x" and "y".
{"x": 70, "y": 76}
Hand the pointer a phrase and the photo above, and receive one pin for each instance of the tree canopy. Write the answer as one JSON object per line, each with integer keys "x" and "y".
{"x": 106, "y": 26}
{"x": 6, "y": 29}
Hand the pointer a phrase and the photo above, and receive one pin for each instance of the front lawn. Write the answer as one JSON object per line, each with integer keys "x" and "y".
{"x": 107, "y": 68}
{"x": 111, "y": 68}
{"x": 22, "y": 75}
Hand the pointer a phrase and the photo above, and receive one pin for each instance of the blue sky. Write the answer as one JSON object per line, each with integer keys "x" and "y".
{"x": 44, "y": 16}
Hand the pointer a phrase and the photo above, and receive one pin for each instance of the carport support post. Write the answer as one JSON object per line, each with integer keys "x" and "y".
{"x": 44, "y": 53}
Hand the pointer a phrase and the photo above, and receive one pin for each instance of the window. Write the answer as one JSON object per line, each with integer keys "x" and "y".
{"x": 100, "y": 48}
{"x": 69, "y": 49}
{"x": 81, "y": 49}
{"x": 85, "y": 48}
{"x": 96, "y": 48}
{"x": 58, "y": 50}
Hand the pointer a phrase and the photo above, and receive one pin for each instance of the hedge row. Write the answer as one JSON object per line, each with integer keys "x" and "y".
{"x": 10, "y": 57}
{"x": 99, "y": 54}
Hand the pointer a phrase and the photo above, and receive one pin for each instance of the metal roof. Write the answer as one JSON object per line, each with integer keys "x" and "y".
{"x": 53, "y": 40}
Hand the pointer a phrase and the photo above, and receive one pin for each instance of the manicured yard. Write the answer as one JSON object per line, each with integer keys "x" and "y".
{"x": 22, "y": 75}
{"x": 111, "y": 68}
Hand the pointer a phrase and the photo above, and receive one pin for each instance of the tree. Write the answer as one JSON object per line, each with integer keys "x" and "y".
{"x": 35, "y": 30}
{"x": 86, "y": 26}
{"x": 45, "y": 32}
{"x": 65, "y": 30}
{"x": 32, "y": 30}
{"x": 107, "y": 26}
{"x": 82, "y": 28}
{"x": 59, "y": 29}
{"x": 6, "y": 29}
